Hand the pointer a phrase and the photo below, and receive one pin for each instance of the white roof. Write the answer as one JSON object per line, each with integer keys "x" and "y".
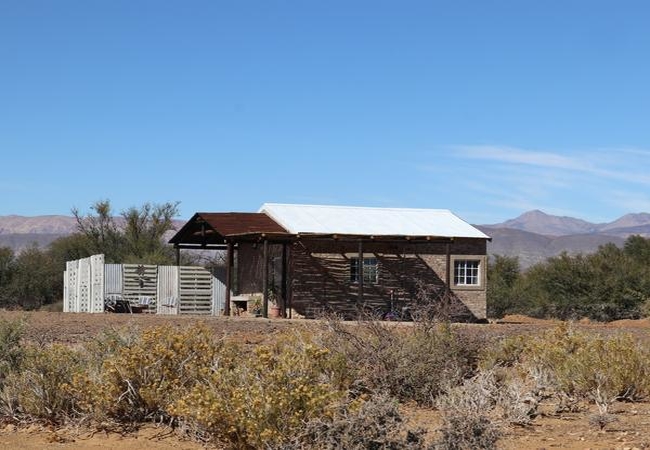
{"x": 321, "y": 219}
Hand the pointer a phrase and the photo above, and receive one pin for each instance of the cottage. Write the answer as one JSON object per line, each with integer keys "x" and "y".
{"x": 311, "y": 259}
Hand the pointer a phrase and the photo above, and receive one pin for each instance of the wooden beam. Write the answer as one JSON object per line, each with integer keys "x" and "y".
{"x": 265, "y": 280}
{"x": 360, "y": 273}
{"x": 283, "y": 288}
{"x": 448, "y": 270}
{"x": 200, "y": 246}
{"x": 229, "y": 266}
{"x": 289, "y": 274}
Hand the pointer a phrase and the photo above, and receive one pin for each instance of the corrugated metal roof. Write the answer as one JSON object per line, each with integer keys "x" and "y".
{"x": 212, "y": 228}
{"x": 241, "y": 223}
{"x": 352, "y": 220}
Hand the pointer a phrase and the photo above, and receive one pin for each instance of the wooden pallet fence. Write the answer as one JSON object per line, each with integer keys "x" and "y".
{"x": 149, "y": 288}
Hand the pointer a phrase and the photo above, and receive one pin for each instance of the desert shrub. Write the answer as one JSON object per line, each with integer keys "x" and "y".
{"x": 590, "y": 365}
{"x": 57, "y": 306}
{"x": 474, "y": 412}
{"x": 11, "y": 352}
{"x": 644, "y": 309}
{"x": 461, "y": 432}
{"x": 372, "y": 423}
{"x": 517, "y": 402}
{"x": 413, "y": 364}
{"x": 601, "y": 419}
{"x": 575, "y": 366}
{"x": 40, "y": 388}
{"x": 260, "y": 398}
{"x": 503, "y": 353}
{"x": 140, "y": 381}
{"x": 106, "y": 344}
{"x": 466, "y": 415}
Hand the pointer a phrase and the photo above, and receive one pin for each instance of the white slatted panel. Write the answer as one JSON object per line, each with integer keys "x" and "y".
{"x": 71, "y": 299}
{"x": 168, "y": 292}
{"x": 97, "y": 284}
{"x": 84, "y": 285}
{"x": 113, "y": 279}
{"x": 218, "y": 291}
{"x": 195, "y": 290}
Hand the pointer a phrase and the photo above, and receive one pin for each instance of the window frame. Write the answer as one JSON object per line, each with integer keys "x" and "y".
{"x": 480, "y": 272}
{"x": 368, "y": 269}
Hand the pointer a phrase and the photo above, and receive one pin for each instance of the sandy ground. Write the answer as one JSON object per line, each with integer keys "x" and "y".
{"x": 566, "y": 431}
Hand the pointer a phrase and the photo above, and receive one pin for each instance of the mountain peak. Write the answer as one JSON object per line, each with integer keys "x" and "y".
{"x": 628, "y": 221}
{"x": 537, "y": 221}
{"x": 532, "y": 213}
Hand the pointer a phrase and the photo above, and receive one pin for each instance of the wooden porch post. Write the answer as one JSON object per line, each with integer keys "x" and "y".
{"x": 360, "y": 272}
{"x": 289, "y": 281}
{"x": 283, "y": 288}
{"x": 448, "y": 271}
{"x": 178, "y": 256}
{"x": 229, "y": 264}
{"x": 265, "y": 280}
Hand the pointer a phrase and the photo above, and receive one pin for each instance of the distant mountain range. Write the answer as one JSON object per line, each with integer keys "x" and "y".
{"x": 533, "y": 236}
{"x": 21, "y": 232}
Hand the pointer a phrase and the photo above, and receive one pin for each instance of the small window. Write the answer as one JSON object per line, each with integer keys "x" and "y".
{"x": 370, "y": 272}
{"x": 466, "y": 272}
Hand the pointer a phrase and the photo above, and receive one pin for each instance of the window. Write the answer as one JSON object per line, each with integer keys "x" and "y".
{"x": 370, "y": 272}
{"x": 466, "y": 272}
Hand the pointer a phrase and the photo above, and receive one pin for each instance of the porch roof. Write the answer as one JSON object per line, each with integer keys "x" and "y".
{"x": 210, "y": 229}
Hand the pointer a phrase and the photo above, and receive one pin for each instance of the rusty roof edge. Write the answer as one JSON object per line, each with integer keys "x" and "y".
{"x": 183, "y": 229}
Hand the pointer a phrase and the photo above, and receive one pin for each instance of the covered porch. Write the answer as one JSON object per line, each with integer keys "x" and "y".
{"x": 263, "y": 243}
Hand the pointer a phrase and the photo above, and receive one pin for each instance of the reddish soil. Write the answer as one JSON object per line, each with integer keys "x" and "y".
{"x": 567, "y": 431}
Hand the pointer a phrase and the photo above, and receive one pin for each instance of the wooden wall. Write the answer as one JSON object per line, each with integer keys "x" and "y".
{"x": 320, "y": 276}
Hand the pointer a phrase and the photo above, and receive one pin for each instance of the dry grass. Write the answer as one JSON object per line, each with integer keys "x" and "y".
{"x": 519, "y": 383}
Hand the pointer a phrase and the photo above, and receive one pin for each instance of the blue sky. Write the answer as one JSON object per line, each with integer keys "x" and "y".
{"x": 487, "y": 108}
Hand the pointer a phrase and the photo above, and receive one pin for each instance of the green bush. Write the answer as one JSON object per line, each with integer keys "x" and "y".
{"x": 610, "y": 284}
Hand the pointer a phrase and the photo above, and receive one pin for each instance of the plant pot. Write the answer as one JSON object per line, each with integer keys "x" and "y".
{"x": 274, "y": 312}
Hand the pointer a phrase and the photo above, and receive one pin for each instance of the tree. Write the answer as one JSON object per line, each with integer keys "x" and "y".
{"x": 503, "y": 274}
{"x": 610, "y": 284}
{"x": 638, "y": 248}
{"x": 144, "y": 230}
{"x": 36, "y": 280}
{"x": 6, "y": 260}
{"x": 100, "y": 230}
{"x": 136, "y": 237}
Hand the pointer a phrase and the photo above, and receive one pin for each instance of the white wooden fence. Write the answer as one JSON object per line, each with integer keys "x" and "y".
{"x": 88, "y": 283}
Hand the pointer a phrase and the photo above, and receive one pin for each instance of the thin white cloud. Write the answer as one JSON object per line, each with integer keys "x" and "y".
{"x": 518, "y": 156}
{"x": 629, "y": 201}
{"x": 623, "y": 164}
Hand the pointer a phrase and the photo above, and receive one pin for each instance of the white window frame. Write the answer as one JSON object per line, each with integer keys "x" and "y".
{"x": 467, "y": 272}
{"x": 461, "y": 279}
{"x": 370, "y": 269}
